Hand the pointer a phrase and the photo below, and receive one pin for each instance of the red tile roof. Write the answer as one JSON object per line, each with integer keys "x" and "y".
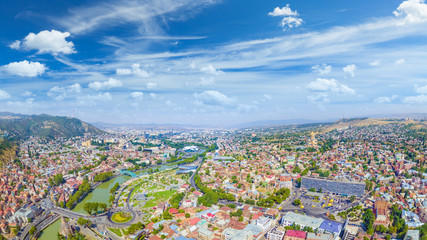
{"x": 295, "y": 233}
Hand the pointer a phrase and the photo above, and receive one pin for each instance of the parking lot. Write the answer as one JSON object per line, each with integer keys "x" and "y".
{"x": 326, "y": 202}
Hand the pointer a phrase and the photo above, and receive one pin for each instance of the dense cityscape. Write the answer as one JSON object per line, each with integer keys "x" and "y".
{"x": 359, "y": 181}
{"x": 213, "y": 120}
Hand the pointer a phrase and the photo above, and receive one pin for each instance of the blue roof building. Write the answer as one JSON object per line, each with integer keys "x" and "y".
{"x": 330, "y": 227}
{"x": 184, "y": 238}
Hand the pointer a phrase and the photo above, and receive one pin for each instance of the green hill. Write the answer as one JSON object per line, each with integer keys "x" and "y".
{"x": 18, "y": 126}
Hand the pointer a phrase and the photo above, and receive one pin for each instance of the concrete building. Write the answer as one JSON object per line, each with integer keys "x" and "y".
{"x": 412, "y": 235}
{"x": 319, "y": 236}
{"x": 332, "y": 186}
{"x": 205, "y": 234}
{"x": 291, "y": 218}
{"x": 381, "y": 213}
{"x": 276, "y": 233}
{"x": 264, "y": 223}
{"x": 330, "y": 227}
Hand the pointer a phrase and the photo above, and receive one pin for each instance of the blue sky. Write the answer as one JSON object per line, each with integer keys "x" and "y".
{"x": 213, "y": 62}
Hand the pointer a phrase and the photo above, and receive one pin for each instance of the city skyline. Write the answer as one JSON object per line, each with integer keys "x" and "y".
{"x": 215, "y": 63}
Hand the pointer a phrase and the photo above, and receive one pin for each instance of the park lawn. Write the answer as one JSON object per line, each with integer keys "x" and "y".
{"x": 136, "y": 189}
{"x": 116, "y": 231}
{"x": 155, "y": 187}
{"x": 158, "y": 197}
{"x": 120, "y": 219}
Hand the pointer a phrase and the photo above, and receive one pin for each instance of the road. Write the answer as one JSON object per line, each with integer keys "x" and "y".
{"x": 192, "y": 183}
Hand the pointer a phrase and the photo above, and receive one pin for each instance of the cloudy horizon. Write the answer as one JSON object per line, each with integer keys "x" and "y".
{"x": 213, "y": 62}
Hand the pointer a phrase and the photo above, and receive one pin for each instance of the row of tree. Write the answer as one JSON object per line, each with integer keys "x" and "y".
{"x": 102, "y": 177}
{"x": 90, "y": 207}
{"x": 176, "y": 199}
{"x": 84, "y": 189}
{"x": 276, "y": 198}
{"x": 211, "y": 196}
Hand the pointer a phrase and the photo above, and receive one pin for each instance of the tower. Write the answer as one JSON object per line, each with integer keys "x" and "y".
{"x": 313, "y": 141}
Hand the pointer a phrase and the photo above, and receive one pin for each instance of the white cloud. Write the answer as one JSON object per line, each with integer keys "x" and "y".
{"x": 412, "y": 11}
{"x": 329, "y": 85}
{"x": 4, "y": 95}
{"x": 323, "y": 69}
{"x": 143, "y": 14}
{"x": 400, "y": 61}
{"x": 290, "y": 22}
{"x": 284, "y": 11}
{"x": 321, "y": 98}
{"x": 27, "y": 94}
{"x": 75, "y": 88}
{"x": 123, "y": 71}
{"x": 246, "y": 108}
{"x": 135, "y": 70}
{"x": 29, "y": 102}
{"x": 137, "y": 95}
{"x": 421, "y": 89}
{"x": 110, "y": 83}
{"x": 25, "y": 68}
{"x": 60, "y": 93}
{"x": 213, "y": 98}
{"x": 153, "y": 95}
{"x": 151, "y": 85}
{"x": 139, "y": 72}
{"x": 92, "y": 100}
{"x": 206, "y": 81}
{"x": 267, "y": 97}
{"x": 53, "y": 42}
{"x": 290, "y": 18}
{"x": 383, "y": 100}
{"x": 350, "y": 69}
{"x": 415, "y": 99}
{"x": 212, "y": 70}
{"x": 376, "y": 62}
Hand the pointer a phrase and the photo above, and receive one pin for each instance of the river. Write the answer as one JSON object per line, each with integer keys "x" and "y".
{"x": 99, "y": 194}
{"x": 50, "y": 233}
{"x": 102, "y": 192}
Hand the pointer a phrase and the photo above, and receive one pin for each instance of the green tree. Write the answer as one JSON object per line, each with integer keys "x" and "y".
{"x": 81, "y": 221}
{"x": 95, "y": 207}
{"x": 88, "y": 208}
{"x": 103, "y": 206}
{"x": 297, "y": 202}
{"x": 368, "y": 219}
{"x": 167, "y": 215}
{"x": 33, "y": 230}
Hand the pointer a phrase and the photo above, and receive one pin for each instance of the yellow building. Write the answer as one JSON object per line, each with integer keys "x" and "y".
{"x": 312, "y": 142}
{"x": 87, "y": 143}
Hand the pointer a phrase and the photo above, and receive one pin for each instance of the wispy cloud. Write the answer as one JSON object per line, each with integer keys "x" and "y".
{"x": 141, "y": 13}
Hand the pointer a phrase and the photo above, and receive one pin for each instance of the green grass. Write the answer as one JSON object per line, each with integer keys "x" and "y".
{"x": 156, "y": 187}
{"x": 158, "y": 197}
{"x": 137, "y": 188}
{"x": 121, "y": 217}
{"x": 116, "y": 231}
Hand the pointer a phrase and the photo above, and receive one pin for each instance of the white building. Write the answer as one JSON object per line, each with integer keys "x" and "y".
{"x": 264, "y": 223}
{"x": 276, "y": 233}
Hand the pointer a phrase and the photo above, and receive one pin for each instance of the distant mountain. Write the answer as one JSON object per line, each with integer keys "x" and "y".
{"x": 103, "y": 125}
{"x": 275, "y": 123}
{"x": 45, "y": 126}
